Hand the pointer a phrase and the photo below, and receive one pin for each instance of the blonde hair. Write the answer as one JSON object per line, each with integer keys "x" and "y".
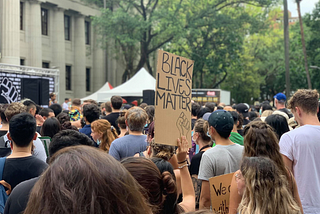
{"x": 109, "y": 133}
{"x": 13, "y": 109}
{"x": 266, "y": 189}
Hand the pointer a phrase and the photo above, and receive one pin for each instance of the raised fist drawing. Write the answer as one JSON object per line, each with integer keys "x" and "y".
{"x": 8, "y": 91}
{"x": 183, "y": 124}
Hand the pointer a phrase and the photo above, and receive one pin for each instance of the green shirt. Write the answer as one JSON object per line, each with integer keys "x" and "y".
{"x": 236, "y": 138}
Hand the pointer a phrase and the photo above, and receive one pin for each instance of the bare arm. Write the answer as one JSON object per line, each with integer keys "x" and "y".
{"x": 188, "y": 202}
{"x": 287, "y": 162}
{"x": 205, "y": 196}
{"x": 174, "y": 161}
{"x": 235, "y": 198}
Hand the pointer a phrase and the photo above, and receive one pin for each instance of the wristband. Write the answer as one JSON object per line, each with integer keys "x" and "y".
{"x": 180, "y": 167}
{"x": 182, "y": 161}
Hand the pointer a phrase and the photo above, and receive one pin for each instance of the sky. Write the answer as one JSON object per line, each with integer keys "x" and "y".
{"x": 306, "y": 6}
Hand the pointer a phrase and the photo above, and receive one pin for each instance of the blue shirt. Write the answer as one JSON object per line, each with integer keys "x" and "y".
{"x": 87, "y": 131}
{"x": 128, "y": 146}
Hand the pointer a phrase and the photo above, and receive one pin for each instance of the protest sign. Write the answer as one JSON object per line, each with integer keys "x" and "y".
{"x": 173, "y": 98}
{"x": 220, "y": 193}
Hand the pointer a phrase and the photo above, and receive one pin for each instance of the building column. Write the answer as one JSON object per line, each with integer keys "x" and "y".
{"x": 99, "y": 62}
{"x": 10, "y": 31}
{"x": 58, "y": 44}
{"x": 79, "y": 67}
{"x": 34, "y": 35}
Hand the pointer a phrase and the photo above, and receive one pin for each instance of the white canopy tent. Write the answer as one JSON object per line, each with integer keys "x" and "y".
{"x": 134, "y": 87}
{"x": 106, "y": 87}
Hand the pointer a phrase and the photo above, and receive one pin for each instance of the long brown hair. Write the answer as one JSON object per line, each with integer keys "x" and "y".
{"x": 109, "y": 133}
{"x": 82, "y": 179}
{"x": 261, "y": 141}
{"x": 156, "y": 186}
{"x": 266, "y": 188}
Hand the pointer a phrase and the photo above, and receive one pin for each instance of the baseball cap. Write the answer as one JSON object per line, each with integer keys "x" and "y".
{"x": 243, "y": 109}
{"x": 222, "y": 121}
{"x": 206, "y": 116}
{"x": 280, "y": 96}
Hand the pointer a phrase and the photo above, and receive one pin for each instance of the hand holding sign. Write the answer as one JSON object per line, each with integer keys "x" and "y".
{"x": 183, "y": 124}
{"x": 8, "y": 91}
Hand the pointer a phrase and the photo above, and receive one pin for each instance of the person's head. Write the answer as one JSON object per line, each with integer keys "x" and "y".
{"x": 150, "y": 134}
{"x": 278, "y": 123}
{"x": 280, "y": 100}
{"x": 195, "y": 108}
{"x": 108, "y": 107}
{"x": 22, "y": 130}
{"x": 252, "y": 115}
{"x": 116, "y": 102}
{"x": 243, "y": 108}
{"x": 90, "y": 101}
{"x": 121, "y": 121}
{"x": 67, "y": 138}
{"x": 57, "y": 109}
{"x": 265, "y": 107}
{"x": 160, "y": 150}
{"x": 52, "y": 96}
{"x": 103, "y": 132}
{"x": 304, "y": 103}
{"x": 260, "y": 141}
{"x": 201, "y": 128}
{"x": 31, "y": 107}
{"x": 266, "y": 113}
{"x": 2, "y": 115}
{"x": 235, "y": 117}
{"x": 150, "y": 111}
{"x": 202, "y": 111}
{"x": 143, "y": 105}
{"x": 91, "y": 112}
{"x": 156, "y": 185}
{"x": 14, "y": 109}
{"x": 82, "y": 179}
{"x": 66, "y": 100}
{"x": 220, "y": 124}
{"x": 136, "y": 119}
{"x": 264, "y": 188}
{"x": 211, "y": 106}
{"x": 63, "y": 117}
{"x": 50, "y": 127}
{"x": 46, "y": 113}
{"x": 76, "y": 102}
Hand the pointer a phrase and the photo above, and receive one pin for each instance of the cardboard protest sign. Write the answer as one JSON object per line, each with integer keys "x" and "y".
{"x": 220, "y": 193}
{"x": 173, "y": 98}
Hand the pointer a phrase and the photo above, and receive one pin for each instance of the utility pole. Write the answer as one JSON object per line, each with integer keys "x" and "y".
{"x": 286, "y": 45}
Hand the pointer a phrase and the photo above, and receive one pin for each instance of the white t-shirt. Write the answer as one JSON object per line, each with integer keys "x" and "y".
{"x": 302, "y": 147}
{"x": 65, "y": 106}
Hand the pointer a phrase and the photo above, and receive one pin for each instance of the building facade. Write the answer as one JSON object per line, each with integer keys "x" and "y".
{"x": 57, "y": 34}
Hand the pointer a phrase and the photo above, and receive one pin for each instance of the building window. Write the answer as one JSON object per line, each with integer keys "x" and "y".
{"x": 87, "y": 32}
{"x": 68, "y": 77}
{"x": 44, "y": 21}
{"x": 21, "y": 15}
{"x": 22, "y": 62}
{"x": 67, "y": 27}
{"x": 88, "y": 79}
{"x": 45, "y": 65}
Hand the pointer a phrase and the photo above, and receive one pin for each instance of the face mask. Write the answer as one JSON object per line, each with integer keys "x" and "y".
{"x": 98, "y": 142}
{"x": 260, "y": 111}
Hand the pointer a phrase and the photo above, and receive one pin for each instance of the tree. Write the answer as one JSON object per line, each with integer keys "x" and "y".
{"x": 303, "y": 44}
{"x": 139, "y": 28}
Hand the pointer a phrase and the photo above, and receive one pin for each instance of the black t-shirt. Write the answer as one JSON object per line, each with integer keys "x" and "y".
{"x": 17, "y": 170}
{"x": 112, "y": 118}
{"x": 287, "y": 112}
{"x": 18, "y": 199}
{"x": 195, "y": 162}
{"x": 2, "y": 132}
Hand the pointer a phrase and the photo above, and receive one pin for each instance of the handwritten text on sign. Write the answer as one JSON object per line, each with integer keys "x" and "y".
{"x": 220, "y": 193}
{"x": 173, "y": 98}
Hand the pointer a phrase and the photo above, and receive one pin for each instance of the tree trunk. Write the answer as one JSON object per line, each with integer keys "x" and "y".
{"x": 304, "y": 45}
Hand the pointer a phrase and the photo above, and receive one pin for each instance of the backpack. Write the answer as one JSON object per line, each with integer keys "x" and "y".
{"x": 3, "y": 193}
{"x": 5, "y": 150}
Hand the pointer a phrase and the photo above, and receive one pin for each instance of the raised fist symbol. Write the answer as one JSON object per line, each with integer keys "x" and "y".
{"x": 183, "y": 124}
{"x": 8, "y": 91}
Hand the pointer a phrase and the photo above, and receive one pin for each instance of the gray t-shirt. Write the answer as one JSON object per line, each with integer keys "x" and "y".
{"x": 220, "y": 160}
{"x": 128, "y": 146}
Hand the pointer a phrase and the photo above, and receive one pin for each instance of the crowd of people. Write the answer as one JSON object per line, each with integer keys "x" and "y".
{"x": 85, "y": 157}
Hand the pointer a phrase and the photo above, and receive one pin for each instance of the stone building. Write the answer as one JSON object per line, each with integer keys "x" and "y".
{"x": 57, "y": 34}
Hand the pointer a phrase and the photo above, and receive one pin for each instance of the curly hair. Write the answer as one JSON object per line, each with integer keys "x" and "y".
{"x": 266, "y": 188}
